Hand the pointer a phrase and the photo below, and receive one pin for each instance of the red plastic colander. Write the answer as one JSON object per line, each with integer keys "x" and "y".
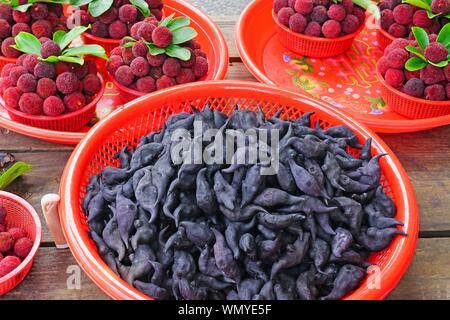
{"x": 314, "y": 46}
{"x": 4, "y": 61}
{"x": 125, "y": 127}
{"x": 20, "y": 214}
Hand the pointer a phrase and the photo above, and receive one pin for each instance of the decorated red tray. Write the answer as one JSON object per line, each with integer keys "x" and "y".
{"x": 209, "y": 37}
{"x": 348, "y": 81}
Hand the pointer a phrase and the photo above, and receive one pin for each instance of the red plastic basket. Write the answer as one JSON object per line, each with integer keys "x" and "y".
{"x": 313, "y": 46}
{"x": 4, "y": 61}
{"x": 20, "y": 214}
{"x": 107, "y": 44}
{"x": 67, "y": 122}
{"x": 411, "y": 107}
{"x": 125, "y": 126}
{"x": 384, "y": 38}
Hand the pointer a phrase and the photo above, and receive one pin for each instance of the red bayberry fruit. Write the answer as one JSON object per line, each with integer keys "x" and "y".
{"x": 46, "y": 88}
{"x": 67, "y": 83}
{"x": 331, "y": 29}
{"x": 31, "y": 103}
{"x": 394, "y": 77}
{"x": 74, "y": 101}
{"x": 53, "y": 106}
{"x": 124, "y": 75}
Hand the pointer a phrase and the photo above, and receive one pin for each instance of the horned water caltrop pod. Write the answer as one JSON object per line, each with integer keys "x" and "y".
{"x": 227, "y": 230}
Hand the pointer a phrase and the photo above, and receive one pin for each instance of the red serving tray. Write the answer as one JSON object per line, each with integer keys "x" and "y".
{"x": 209, "y": 37}
{"x": 348, "y": 82}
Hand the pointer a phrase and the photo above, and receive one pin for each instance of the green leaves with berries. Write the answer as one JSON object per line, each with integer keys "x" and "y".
{"x": 29, "y": 44}
{"x": 15, "y": 4}
{"x": 181, "y": 33}
{"x": 98, "y": 7}
{"x": 419, "y": 60}
{"x": 426, "y": 5}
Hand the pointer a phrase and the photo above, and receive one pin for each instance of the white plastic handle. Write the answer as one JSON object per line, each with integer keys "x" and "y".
{"x": 49, "y": 204}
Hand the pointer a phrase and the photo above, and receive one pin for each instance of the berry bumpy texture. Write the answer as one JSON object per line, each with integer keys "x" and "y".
{"x": 320, "y": 18}
{"x": 121, "y": 20}
{"x": 398, "y": 18}
{"x": 430, "y": 82}
{"x": 137, "y": 69}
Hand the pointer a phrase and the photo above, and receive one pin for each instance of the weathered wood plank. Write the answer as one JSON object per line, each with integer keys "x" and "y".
{"x": 226, "y": 24}
{"x": 423, "y": 280}
{"x": 14, "y": 142}
{"x": 49, "y": 277}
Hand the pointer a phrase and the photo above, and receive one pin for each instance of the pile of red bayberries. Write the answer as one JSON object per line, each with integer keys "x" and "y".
{"x": 118, "y": 21}
{"x": 41, "y": 88}
{"x": 41, "y": 19}
{"x": 134, "y": 67}
{"x": 431, "y": 82}
{"x": 15, "y": 245}
{"x": 398, "y": 18}
{"x": 320, "y": 18}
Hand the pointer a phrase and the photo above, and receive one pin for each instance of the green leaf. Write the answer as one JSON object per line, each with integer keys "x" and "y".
{"x": 15, "y": 171}
{"x": 447, "y": 16}
{"x": 23, "y": 7}
{"x": 418, "y": 3}
{"x": 51, "y": 59}
{"x": 421, "y": 37}
{"x": 128, "y": 45}
{"x": 142, "y": 6}
{"x": 416, "y": 51}
{"x": 58, "y": 36}
{"x": 79, "y": 3}
{"x": 432, "y": 15}
{"x": 88, "y": 49}
{"x": 69, "y": 59}
{"x": 166, "y": 21}
{"x": 99, "y": 7}
{"x": 154, "y": 50}
{"x": 178, "y": 23}
{"x": 444, "y": 35}
{"x": 72, "y": 35}
{"x": 181, "y": 53}
{"x": 414, "y": 64}
{"x": 439, "y": 64}
{"x": 28, "y": 43}
{"x": 184, "y": 34}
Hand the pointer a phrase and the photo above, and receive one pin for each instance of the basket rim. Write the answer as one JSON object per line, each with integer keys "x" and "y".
{"x": 8, "y": 60}
{"x": 118, "y": 289}
{"x": 387, "y": 34}
{"x": 66, "y": 116}
{"x": 37, "y": 241}
{"x": 101, "y": 40}
{"x": 418, "y": 101}
{"x": 317, "y": 39}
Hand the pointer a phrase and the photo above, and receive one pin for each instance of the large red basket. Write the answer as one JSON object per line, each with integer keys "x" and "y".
{"x": 412, "y": 107}
{"x": 20, "y": 214}
{"x": 313, "y": 46}
{"x": 125, "y": 126}
{"x": 67, "y": 122}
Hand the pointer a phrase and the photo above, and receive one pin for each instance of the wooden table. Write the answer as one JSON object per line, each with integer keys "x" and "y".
{"x": 425, "y": 155}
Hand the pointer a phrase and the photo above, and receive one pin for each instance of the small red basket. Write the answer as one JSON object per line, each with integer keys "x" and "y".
{"x": 67, "y": 122}
{"x": 20, "y": 214}
{"x": 411, "y": 107}
{"x": 107, "y": 44}
{"x": 4, "y": 61}
{"x": 313, "y": 46}
{"x": 384, "y": 38}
